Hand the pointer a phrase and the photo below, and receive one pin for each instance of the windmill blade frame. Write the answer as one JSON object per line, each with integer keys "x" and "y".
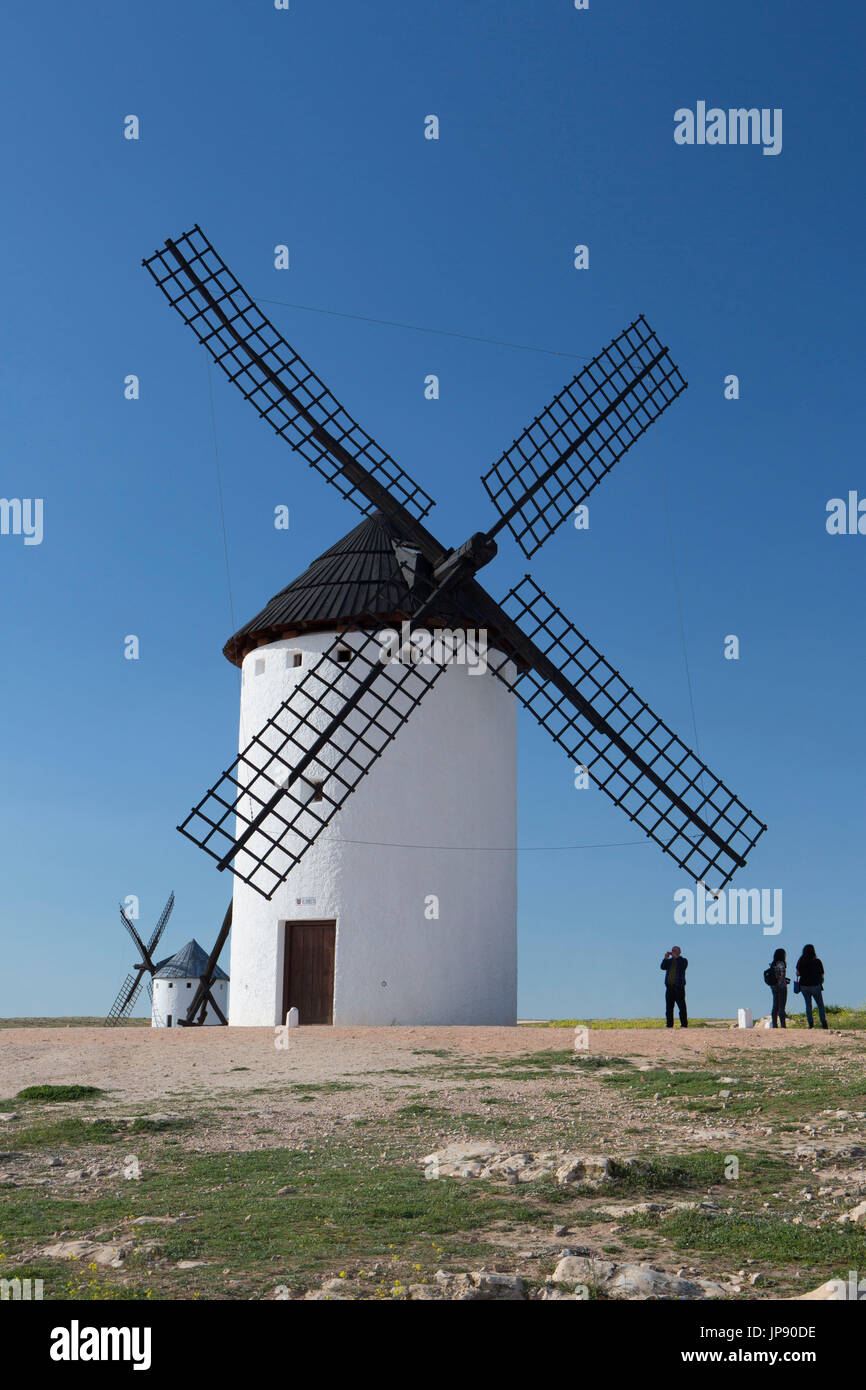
{"x": 638, "y": 761}
{"x": 137, "y": 941}
{"x": 285, "y": 391}
{"x": 336, "y": 722}
{"x": 202, "y": 995}
{"x": 131, "y": 987}
{"x": 307, "y": 759}
{"x": 160, "y": 927}
{"x": 126, "y": 998}
{"x": 553, "y": 466}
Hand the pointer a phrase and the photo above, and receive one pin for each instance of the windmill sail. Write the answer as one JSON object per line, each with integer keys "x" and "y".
{"x": 278, "y": 795}
{"x": 131, "y": 987}
{"x": 126, "y": 998}
{"x": 583, "y": 432}
{"x": 284, "y": 390}
{"x": 158, "y": 930}
{"x": 631, "y": 754}
{"x": 286, "y": 786}
{"x": 202, "y": 995}
{"x": 136, "y": 939}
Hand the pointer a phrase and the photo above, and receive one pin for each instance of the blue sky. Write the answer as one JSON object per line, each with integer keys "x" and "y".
{"x": 305, "y": 127}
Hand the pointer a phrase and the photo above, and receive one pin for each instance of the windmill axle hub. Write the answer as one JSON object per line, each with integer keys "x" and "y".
{"x": 467, "y": 559}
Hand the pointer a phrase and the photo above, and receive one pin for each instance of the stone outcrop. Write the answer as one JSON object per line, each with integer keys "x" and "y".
{"x": 632, "y": 1281}
{"x": 483, "y": 1160}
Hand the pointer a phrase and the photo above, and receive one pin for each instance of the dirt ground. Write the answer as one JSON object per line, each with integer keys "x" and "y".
{"x": 170, "y": 1069}
{"x": 144, "y": 1064}
{"x": 287, "y": 1158}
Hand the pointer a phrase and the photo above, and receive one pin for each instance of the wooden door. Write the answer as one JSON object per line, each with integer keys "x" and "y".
{"x": 308, "y": 971}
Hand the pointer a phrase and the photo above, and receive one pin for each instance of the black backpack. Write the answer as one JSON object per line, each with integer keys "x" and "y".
{"x": 770, "y": 976}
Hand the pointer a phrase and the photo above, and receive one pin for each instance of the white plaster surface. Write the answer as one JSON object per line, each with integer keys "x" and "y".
{"x": 435, "y": 817}
{"x": 173, "y": 997}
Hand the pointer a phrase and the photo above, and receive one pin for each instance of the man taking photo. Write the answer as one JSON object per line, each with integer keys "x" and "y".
{"x": 675, "y": 965}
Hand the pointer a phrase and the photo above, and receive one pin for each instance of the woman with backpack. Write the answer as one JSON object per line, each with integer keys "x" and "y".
{"x": 810, "y": 983}
{"x": 776, "y": 976}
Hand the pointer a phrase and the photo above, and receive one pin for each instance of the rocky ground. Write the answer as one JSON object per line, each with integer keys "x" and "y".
{"x": 433, "y": 1163}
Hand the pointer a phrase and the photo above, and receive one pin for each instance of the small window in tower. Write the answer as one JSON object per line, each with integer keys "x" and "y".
{"x": 344, "y": 655}
{"x": 294, "y": 658}
{"x": 259, "y": 666}
{"x": 189, "y": 984}
{"x": 171, "y": 984}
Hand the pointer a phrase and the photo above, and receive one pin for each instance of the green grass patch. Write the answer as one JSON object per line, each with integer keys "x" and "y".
{"x": 682, "y": 1173}
{"x": 699, "y": 1170}
{"x": 83, "y": 1021}
{"x": 341, "y": 1215}
{"x": 419, "y": 1111}
{"x": 786, "y": 1089}
{"x": 526, "y": 1067}
{"x": 504, "y": 1129}
{"x": 616, "y": 1023}
{"x": 698, "y": 1090}
{"x": 322, "y": 1088}
{"x": 59, "y": 1093}
{"x": 78, "y": 1132}
{"x": 67, "y": 1282}
{"x": 590, "y": 1062}
{"x": 830, "y": 1250}
{"x": 840, "y": 1016}
{"x": 675, "y": 1083}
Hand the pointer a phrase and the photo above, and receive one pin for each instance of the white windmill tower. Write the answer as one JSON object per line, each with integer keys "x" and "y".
{"x": 404, "y": 910}
{"x": 321, "y": 872}
{"x": 175, "y": 981}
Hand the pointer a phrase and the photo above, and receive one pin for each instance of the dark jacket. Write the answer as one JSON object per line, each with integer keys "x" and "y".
{"x": 811, "y": 972}
{"x": 682, "y": 965}
{"x": 778, "y": 978}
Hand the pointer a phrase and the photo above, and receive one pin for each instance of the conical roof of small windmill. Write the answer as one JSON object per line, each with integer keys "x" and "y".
{"x": 187, "y": 964}
{"x": 365, "y": 574}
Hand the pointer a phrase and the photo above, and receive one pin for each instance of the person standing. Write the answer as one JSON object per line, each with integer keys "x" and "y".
{"x": 776, "y": 976}
{"x": 674, "y": 965}
{"x": 810, "y": 973}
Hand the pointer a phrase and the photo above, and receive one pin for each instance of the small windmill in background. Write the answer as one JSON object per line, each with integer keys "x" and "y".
{"x": 129, "y": 991}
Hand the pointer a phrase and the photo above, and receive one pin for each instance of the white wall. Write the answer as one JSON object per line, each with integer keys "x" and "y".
{"x": 447, "y": 783}
{"x": 175, "y": 996}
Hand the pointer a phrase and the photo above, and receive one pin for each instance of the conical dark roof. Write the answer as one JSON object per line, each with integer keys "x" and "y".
{"x": 370, "y": 571}
{"x": 187, "y": 964}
